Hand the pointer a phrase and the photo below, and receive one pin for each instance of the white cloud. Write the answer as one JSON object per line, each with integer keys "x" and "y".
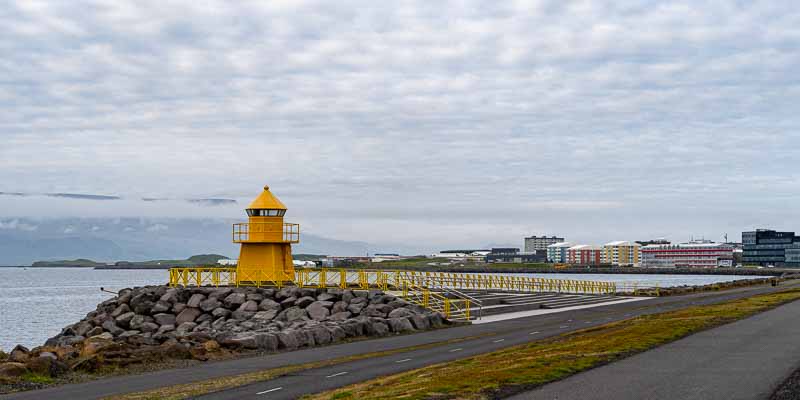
{"x": 361, "y": 112}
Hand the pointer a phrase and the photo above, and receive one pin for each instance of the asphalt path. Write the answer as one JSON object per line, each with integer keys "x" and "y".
{"x": 490, "y": 337}
{"x": 747, "y": 359}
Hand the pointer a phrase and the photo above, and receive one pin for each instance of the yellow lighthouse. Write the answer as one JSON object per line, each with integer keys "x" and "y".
{"x": 266, "y": 254}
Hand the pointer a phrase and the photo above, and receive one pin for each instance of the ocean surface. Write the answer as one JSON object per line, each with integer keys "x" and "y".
{"x": 36, "y": 303}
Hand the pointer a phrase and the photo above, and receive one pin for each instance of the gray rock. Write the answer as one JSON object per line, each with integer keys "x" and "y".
{"x": 269, "y": 304}
{"x": 240, "y": 315}
{"x": 266, "y": 341}
{"x": 285, "y": 293}
{"x": 178, "y": 307}
{"x": 97, "y": 330}
{"x": 101, "y": 336}
{"x": 288, "y": 302}
{"x": 249, "y": 305}
{"x": 128, "y": 334}
{"x": 210, "y": 304}
{"x": 203, "y": 318}
{"x": 112, "y": 328}
{"x": 337, "y": 333}
{"x": 187, "y": 315}
{"x": 379, "y": 329}
{"x": 136, "y": 322}
{"x": 149, "y": 327}
{"x": 121, "y": 309}
{"x": 304, "y": 301}
{"x": 436, "y": 320}
{"x": 361, "y": 293}
{"x": 288, "y": 339}
{"x": 195, "y": 300}
{"x": 264, "y": 316}
{"x": 400, "y": 325}
{"x": 377, "y": 310}
{"x": 161, "y": 307}
{"x": 185, "y": 328}
{"x": 164, "y": 329}
{"x": 338, "y": 307}
{"x": 348, "y": 296}
{"x": 359, "y": 300}
{"x": 267, "y": 292}
{"x": 327, "y": 297}
{"x": 340, "y": 316}
{"x": 317, "y": 311}
{"x": 144, "y": 307}
{"x": 257, "y": 297}
{"x": 220, "y": 293}
{"x": 247, "y": 341}
{"x": 123, "y": 320}
{"x": 220, "y": 312}
{"x": 420, "y": 322}
{"x": 218, "y": 323}
{"x": 165, "y": 319}
{"x": 295, "y": 314}
{"x": 400, "y": 313}
{"x": 321, "y": 335}
{"x": 235, "y": 300}
{"x": 83, "y": 327}
{"x": 356, "y": 308}
{"x": 47, "y": 354}
{"x": 171, "y": 296}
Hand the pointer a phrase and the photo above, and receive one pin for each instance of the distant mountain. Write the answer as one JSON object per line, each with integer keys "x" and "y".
{"x": 25, "y": 240}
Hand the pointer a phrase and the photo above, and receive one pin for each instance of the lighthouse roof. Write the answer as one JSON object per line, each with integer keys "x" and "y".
{"x": 266, "y": 200}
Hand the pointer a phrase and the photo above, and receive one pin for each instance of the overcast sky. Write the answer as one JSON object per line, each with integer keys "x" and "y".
{"x": 417, "y": 122}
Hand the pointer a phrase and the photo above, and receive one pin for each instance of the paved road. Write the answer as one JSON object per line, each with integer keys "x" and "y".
{"x": 496, "y": 335}
{"x": 747, "y": 359}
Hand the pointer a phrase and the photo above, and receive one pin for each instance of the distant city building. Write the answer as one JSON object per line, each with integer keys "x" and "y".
{"x": 768, "y": 247}
{"x": 621, "y": 253}
{"x": 653, "y": 241}
{"x": 535, "y": 244}
{"x": 513, "y": 255}
{"x": 698, "y": 254}
{"x": 584, "y": 254}
{"x": 557, "y": 252}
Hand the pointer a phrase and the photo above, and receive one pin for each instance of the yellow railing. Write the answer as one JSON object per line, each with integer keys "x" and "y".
{"x": 450, "y": 308}
{"x": 392, "y": 279}
{"x": 243, "y": 232}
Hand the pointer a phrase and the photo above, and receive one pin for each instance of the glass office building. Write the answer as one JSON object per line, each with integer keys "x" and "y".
{"x": 768, "y": 247}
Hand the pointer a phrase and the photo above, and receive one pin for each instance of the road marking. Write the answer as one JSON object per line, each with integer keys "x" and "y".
{"x": 563, "y": 327}
{"x": 499, "y": 340}
{"x": 533, "y": 333}
{"x": 455, "y": 350}
{"x": 271, "y": 390}
{"x": 587, "y": 322}
{"x": 403, "y": 360}
{"x": 569, "y": 320}
{"x": 335, "y": 375}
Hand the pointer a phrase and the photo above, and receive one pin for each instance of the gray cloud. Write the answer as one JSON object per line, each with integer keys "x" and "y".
{"x": 443, "y": 122}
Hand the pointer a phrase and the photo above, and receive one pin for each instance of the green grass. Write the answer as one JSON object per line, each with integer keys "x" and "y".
{"x": 36, "y": 378}
{"x": 523, "y": 367}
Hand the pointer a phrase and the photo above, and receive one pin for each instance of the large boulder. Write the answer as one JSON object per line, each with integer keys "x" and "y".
{"x": 249, "y": 305}
{"x": 20, "y": 354}
{"x": 195, "y": 300}
{"x": 269, "y": 304}
{"x": 304, "y": 301}
{"x": 401, "y": 313}
{"x": 234, "y": 300}
{"x": 187, "y": 315}
{"x": 160, "y": 307}
{"x": 265, "y": 316}
{"x": 220, "y": 312}
{"x": 327, "y": 297}
{"x": 112, "y": 327}
{"x": 210, "y": 304}
{"x": 295, "y": 314}
{"x": 121, "y": 309}
{"x": 165, "y": 319}
{"x": 400, "y": 325}
{"x": 289, "y": 339}
{"x": 317, "y": 311}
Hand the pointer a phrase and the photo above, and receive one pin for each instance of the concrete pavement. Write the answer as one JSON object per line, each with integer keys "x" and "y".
{"x": 745, "y": 360}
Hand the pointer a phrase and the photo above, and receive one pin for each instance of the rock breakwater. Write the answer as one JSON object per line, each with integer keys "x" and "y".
{"x": 158, "y": 323}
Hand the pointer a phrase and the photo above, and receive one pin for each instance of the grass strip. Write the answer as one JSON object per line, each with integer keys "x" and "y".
{"x": 188, "y": 390}
{"x": 520, "y": 368}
